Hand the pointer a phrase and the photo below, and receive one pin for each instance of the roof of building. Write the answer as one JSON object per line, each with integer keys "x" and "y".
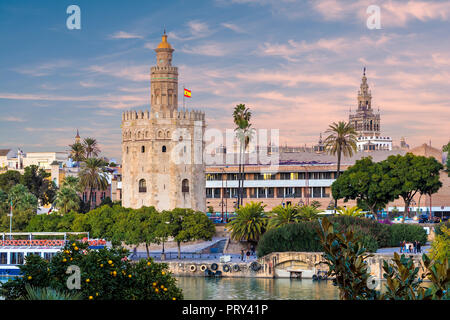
{"x": 307, "y": 158}
{"x": 4, "y": 152}
{"x": 427, "y": 151}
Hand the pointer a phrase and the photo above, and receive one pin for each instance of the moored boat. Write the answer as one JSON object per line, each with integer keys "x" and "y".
{"x": 14, "y": 251}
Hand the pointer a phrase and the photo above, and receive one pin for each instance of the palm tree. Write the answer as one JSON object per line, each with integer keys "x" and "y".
{"x": 77, "y": 152}
{"x": 342, "y": 140}
{"x": 309, "y": 212}
{"x": 71, "y": 182}
{"x": 241, "y": 117}
{"x": 249, "y": 223}
{"x": 92, "y": 176}
{"x": 283, "y": 215}
{"x": 67, "y": 200}
{"x": 352, "y": 212}
{"x": 91, "y": 147}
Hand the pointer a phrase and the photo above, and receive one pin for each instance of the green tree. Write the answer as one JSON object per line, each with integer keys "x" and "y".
{"x": 241, "y": 118}
{"x": 410, "y": 174}
{"x": 93, "y": 176}
{"x": 67, "y": 200}
{"x": 77, "y": 152}
{"x": 198, "y": 226}
{"x": 341, "y": 141}
{"x": 91, "y": 148}
{"x": 367, "y": 182}
{"x": 9, "y": 179}
{"x": 72, "y": 183}
{"x": 22, "y": 199}
{"x": 101, "y": 221}
{"x": 249, "y": 223}
{"x": 280, "y": 216}
{"x": 35, "y": 179}
{"x": 137, "y": 226}
{"x": 187, "y": 225}
{"x": 163, "y": 230}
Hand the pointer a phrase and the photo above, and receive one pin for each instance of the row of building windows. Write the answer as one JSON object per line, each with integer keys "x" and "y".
{"x": 269, "y": 192}
{"x": 273, "y": 176}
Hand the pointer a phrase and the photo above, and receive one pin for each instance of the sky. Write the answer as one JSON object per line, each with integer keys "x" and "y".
{"x": 296, "y": 63}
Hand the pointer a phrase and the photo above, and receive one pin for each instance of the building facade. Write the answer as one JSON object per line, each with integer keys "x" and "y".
{"x": 366, "y": 123}
{"x": 162, "y": 149}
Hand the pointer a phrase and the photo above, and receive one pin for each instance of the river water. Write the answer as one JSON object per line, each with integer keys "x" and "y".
{"x": 200, "y": 288}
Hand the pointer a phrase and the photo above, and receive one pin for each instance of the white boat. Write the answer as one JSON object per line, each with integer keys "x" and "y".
{"x": 13, "y": 251}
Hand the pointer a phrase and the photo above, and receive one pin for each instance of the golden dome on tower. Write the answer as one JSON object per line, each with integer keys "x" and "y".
{"x": 164, "y": 44}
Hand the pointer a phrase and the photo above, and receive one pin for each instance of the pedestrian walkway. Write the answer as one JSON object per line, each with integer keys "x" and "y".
{"x": 425, "y": 249}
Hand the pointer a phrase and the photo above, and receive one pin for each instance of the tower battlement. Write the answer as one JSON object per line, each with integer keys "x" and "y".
{"x": 185, "y": 114}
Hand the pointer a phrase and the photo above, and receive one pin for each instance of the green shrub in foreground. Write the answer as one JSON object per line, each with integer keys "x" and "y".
{"x": 106, "y": 274}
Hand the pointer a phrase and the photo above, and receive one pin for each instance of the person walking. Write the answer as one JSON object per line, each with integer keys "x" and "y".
{"x": 242, "y": 255}
{"x": 248, "y": 255}
{"x": 419, "y": 247}
{"x": 415, "y": 246}
{"x": 401, "y": 247}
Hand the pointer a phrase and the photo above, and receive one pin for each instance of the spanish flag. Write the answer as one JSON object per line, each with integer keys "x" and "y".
{"x": 187, "y": 93}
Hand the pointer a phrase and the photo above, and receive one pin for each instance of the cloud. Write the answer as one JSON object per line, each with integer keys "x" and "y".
{"x": 392, "y": 13}
{"x": 195, "y": 30}
{"x": 233, "y": 27}
{"x": 125, "y": 35}
{"x": 105, "y": 101}
{"x": 133, "y": 73}
{"x": 11, "y": 119}
{"x": 208, "y": 49}
{"x": 44, "y": 69}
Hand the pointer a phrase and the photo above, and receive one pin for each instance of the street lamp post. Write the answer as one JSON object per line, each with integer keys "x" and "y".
{"x": 222, "y": 192}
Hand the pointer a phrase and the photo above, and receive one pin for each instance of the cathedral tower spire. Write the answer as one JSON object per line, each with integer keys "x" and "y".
{"x": 164, "y": 79}
{"x": 364, "y": 94}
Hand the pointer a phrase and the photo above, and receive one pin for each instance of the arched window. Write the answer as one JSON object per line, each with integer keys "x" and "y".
{"x": 185, "y": 185}
{"x": 142, "y": 186}
{"x": 127, "y": 150}
{"x": 164, "y": 149}
{"x": 143, "y": 149}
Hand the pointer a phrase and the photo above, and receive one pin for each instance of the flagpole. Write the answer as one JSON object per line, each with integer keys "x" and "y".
{"x": 184, "y": 107}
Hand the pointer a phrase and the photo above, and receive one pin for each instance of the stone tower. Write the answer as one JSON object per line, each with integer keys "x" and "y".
{"x": 162, "y": 149}
{"x": 365, "y": 122}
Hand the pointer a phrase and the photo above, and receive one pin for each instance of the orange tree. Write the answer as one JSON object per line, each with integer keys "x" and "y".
{"x": 105, "y": 274}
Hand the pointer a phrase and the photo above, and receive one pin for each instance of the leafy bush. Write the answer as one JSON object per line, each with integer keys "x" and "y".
{"x": 291, "y": 237}
{"x": 438, "y": 228}
{"x": 407, "y": 232}
{"x": 302, "y": 237}
{"x": 106, "y": 274}
{"x": 378, "y": 231}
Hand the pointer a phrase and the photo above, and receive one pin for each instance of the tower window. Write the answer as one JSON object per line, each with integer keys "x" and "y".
{"x": 127, "y": 149}
{"x": 143, "y": 149}
{"x": 142, "y": 186}
{"x": 164, "y": 149}
{"x": 185, "y": 185}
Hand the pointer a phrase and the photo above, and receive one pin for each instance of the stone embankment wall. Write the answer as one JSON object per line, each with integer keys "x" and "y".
{"x": 280, "y": 264}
